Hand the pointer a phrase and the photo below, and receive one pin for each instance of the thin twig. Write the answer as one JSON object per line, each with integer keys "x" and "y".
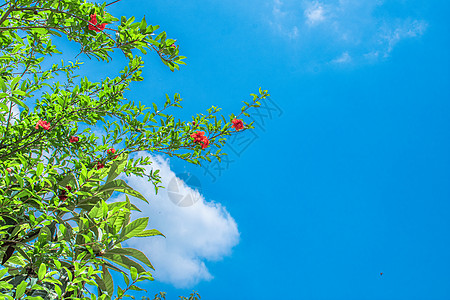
{"x": 112, "y": 3}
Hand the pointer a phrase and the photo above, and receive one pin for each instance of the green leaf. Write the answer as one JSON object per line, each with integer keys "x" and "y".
{"x": 100, "y": 210}
{"x": 135, "y": 227}
{"x": 135, "y": 288}
{"x": 104, "y": 209}
{"x": 150, "y": 232}
{"x": 133, "y": 253}
{"x": 143, "y": 25}
{"x": 42, "y": 271}
{"x": 113, "y": 267}
{"x": 18, "y": 102}
{"x": 3, "y": 85}
{"x": 119, "y": 185}
{"x": 126, "y": 279}
{"x": 23, "y": 254}
{"x": 124, "y": 261}
{"x": 133, "y": 273}
{"x": 118, "y": 219}
{"x": 3, "y": 272}
{"x": 44, "y": 234}
{"x": 69, "y": 179}
{"x": 21, "y": 289}
{"x": 58, "y": 291}
{"x": 108, "y": 280}
{"x": 19, "y": 92}
{"x": 119, "y": 292}
{"x": 83, "y": 174}
{"x": 39, "y": 169}
{"x": 14, "y": 82}
{"x": 117, "y": 167}
{"x": 100, "y": 282}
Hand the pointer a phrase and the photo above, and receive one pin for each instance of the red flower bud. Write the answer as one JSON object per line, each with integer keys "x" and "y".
{"x": 111, "y": 151}
{"x": 63, "y": 194}
{"x": 73, "y": 139}
{"x": 100, "y": 165}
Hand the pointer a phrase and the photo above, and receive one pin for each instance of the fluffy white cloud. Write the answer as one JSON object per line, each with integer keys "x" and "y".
{"x": 315, "y": 14}
{"x": 196, "y": 230}
{"x": 363, "y": 30}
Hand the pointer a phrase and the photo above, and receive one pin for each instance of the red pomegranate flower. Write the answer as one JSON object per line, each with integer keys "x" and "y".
{"x": 100, "y": 165}
{"x": 205, "y": 142}
{"x": 43, "y": 124}
{"x": 111, "y": 151}
{"x": 73, "y": 139}
{"x": 237, "y": 124}
{"x": 93, "y": 24}
{"x": 200, "y": 138}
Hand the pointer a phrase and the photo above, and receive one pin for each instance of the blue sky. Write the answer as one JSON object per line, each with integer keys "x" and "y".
{"x": 348, "y": 179}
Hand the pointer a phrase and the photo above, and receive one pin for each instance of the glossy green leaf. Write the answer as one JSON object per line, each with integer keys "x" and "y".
{"x": 135, "y": 227}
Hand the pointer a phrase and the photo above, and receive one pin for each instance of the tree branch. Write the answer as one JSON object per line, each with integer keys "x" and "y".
{"x": 6, "y": 14}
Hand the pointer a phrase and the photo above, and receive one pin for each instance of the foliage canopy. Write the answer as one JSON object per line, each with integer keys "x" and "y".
{"x": 59, "y": 234}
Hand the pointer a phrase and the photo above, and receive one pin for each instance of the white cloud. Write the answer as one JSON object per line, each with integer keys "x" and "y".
{"x": 279, "y": 21}
{"x": 368, "y": 29}
{"x": 204, "y": 231}
{"x": 391, "y": 35}
{"x": 314, "y": 14}
{"x": 344, "y": 58}
{"x": 293, "y": 33}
